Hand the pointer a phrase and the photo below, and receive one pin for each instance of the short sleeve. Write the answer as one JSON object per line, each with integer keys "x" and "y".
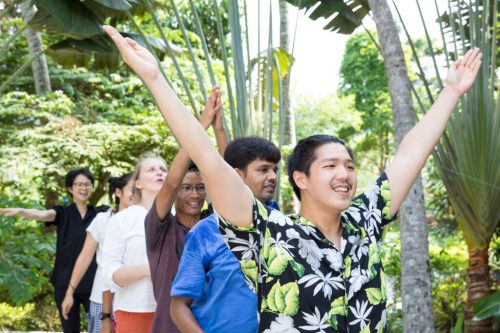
{"x": 97, "y": 226}
{"x": 59, "y": 215}
{"x": 189, "y": 281}
{"x": 113, "y": 251}
{"x": 377, "y": 200}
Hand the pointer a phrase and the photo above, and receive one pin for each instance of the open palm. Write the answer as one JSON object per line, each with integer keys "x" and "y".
{"x": 134, "y": 55}
{"x": 463, "y": 72}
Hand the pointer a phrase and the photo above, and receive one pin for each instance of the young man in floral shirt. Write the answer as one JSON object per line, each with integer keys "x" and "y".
{"x": 319, "y": 271}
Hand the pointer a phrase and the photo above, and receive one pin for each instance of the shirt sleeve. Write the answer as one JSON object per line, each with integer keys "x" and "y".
{"x": 114, "y": 250}
{"x": 189, "y": 281}
{"x": 155, "y": 228}
{"x": 97, "y": 227}
{"x": 377, "y": 201}
{"x": 59, "y": 215}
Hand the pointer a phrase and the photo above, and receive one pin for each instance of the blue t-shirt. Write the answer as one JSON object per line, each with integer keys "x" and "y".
{"x": 210, "y": 274}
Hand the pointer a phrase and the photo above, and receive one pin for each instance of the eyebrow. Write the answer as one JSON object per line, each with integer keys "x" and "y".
{"x": 334, "y": 159}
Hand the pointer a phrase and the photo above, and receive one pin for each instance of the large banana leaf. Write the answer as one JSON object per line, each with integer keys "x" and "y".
{"x": 98, "y": 52}
{"x": 344, "y": 16}
{"x": 78, "y": 19}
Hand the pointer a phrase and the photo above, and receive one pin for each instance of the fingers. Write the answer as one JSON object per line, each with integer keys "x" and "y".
{"x": 118, "y": 39}
{"x": 471, "y": 56}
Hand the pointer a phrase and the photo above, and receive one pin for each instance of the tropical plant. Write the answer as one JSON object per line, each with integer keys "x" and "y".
{"x": 470, "y": 145}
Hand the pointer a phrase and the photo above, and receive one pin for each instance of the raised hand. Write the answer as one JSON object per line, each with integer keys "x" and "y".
{"x": 134, "y": 55}
{"x": 462, "y": 73}
{"x": 212, "y": 108}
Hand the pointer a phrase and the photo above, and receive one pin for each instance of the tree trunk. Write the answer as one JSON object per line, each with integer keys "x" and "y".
{"x": 478, "y": 286}
{"x": 39, "y": 65}
{"x": 416, "y": 288}
{"x": 290, "y": 137}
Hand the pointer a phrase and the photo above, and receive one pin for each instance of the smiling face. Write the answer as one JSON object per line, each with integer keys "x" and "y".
{"x": 191, "y": 195}
{"x": 332, "y": 179}
{"x": 81, "y": 189}
{"x": 260, "y": 177}
{"x": 151, "y": 175}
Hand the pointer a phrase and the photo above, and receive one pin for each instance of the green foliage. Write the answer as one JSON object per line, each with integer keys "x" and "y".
{"x": 362, "y": 75}
{"x": 448, "y": 255}
{"x": 488, "y": 307}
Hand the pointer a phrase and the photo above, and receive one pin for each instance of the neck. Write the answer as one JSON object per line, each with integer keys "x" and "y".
{"x": 81, "y": 206}
{"x": 147, "y": 199}
{"x": 187, "y": 220}
{"x": 326, "y": 220}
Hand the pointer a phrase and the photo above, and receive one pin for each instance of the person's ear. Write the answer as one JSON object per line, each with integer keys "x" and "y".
{"x": 300, "y": 179}
{"x": 240, "y": 173}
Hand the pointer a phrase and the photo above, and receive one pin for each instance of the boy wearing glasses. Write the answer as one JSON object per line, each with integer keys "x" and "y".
{"x": 210, "y": 292}
{"x": 166, "y": 229}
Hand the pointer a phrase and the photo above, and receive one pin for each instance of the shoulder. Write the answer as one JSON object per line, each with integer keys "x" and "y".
{"x": 207, "y": 224}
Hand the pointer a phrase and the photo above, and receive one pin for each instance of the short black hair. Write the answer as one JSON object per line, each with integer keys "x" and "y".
{"x": 72, "y": 174}
{"x": 304, "y": 154}
{"x": 192, "y": 167}
{"x": 118, "y": 182}
{"x": 243, "y": 151}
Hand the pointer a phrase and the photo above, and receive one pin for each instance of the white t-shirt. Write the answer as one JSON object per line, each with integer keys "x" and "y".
{"x": 98, "y": 229}
{"x": 125, "y": 245}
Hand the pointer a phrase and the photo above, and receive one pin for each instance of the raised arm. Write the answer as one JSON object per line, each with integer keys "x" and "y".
{"x": 81, "y": 266}
{"x": 417, "y": 145}
{"x": 230, "y": 196}
{"x": 46, "y": 215}
{"x": 166, "y": 197}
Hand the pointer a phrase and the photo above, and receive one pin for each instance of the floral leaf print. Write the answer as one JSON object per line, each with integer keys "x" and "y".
{"x": 338, "y": 306}
{"x": 297, "y": 268}
{"x": 385, "y": 191}
{"x": 262, "y": 211}
{"x": 267, "y": 245}
{"x": 334, "y": 322}
{"x": 315, "y": 321}
{"x": 327, "y": 283}
{"x": 277, "y": 263}
{"x": 347, "y": 265}
{"x": 282, "y": 324}
{"x": 362, "y": 313}
{"x": 250, "y": 270}
{"x": 248, "y": 247}
{"x": 284, "y": 298}
{"x": 373, "y": 259}
{"x": 374, "y": 295}
{"x": 383, "y": 287}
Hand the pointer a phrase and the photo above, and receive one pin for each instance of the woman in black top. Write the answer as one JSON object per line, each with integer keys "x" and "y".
{"x": 71, "y": 221}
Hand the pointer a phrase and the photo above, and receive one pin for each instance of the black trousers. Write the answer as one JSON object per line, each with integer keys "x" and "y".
{"x": 72, "y": 325}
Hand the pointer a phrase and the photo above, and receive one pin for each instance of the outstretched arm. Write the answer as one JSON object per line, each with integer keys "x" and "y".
{"x": 417, "y": 145}
{"x": 48, "y": 215}
{"x": 166, "y": 197}
{"x": 229, "y": 194}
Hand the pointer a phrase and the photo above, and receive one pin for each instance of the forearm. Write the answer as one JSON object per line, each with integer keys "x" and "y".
{"x": 166, "y": 197}
{"x": 107, "y": 301}
{"x": 125, "y": 276}
{"x": 183, "y": 317}
{"x": 188, "y": 131}
{"x": 423, "y": 137}
{"x": 221, "y": 139}
{"x": 229, "y": 194}
{"x": 37, "y": 214}
{"x": 81, "y": 266}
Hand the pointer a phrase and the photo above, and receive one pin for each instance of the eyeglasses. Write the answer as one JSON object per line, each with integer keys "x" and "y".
{"x": 200, "y": 189}
{"x": 83, "y": 185}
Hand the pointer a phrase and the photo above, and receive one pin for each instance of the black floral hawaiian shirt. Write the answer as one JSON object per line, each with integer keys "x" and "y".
{"x": 306, "y": 284}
